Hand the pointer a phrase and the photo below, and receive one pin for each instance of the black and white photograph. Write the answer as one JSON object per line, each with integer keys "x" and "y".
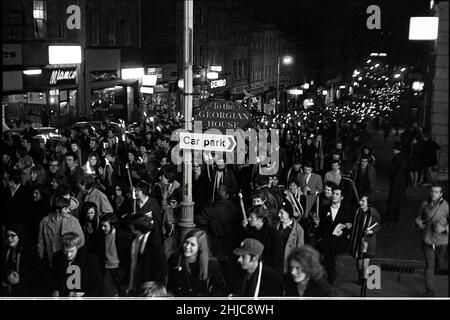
{"x": 245, "y": 150}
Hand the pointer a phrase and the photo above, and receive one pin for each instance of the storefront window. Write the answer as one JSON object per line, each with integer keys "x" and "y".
{"x": 110, "y": 102}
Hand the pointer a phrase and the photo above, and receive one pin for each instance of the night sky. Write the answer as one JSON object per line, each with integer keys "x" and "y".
{"x": 310, "y": 19}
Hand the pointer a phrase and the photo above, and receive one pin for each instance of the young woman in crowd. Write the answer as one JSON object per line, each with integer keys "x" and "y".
{"x": 192, "y": 271}
{"x": 90, "y": 222}
{"x": 366, "y": 224}
{"x": 21, "y": 268}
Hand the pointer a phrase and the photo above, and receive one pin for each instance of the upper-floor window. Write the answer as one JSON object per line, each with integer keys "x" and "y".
{"x": 95, "y": 28}
{"x": 126, "y": 32}
{"x": 39, "y": 18}
{"x": 111, "y": 31}
{"x": 61, "y": 29}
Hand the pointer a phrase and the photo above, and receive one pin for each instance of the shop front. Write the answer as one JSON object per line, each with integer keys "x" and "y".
{"x": 110, "y": 95}
{"x": 50, "y": 96}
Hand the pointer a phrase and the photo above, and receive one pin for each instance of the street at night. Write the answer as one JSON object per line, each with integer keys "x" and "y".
{"x": 227, "y": 149}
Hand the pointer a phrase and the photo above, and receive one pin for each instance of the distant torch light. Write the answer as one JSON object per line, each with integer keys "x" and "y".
{"x": 397, "y": 75}
{"x": 324, "y": 92}
{"x": 374, "y": 54}
{"x": 181, "y": 83}
{"x": 402, "y": 69}
{"x": 418, "y": 85}
{"x": 369, "y": 61}
{"x": 306, "y": 86}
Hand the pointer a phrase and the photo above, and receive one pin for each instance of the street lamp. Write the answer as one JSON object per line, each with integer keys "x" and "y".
{"x": 286, "y": 61}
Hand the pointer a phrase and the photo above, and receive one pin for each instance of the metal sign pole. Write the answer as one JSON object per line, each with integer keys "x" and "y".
{"x": 186, "y": 221}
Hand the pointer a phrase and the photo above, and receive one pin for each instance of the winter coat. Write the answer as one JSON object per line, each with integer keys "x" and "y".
{"x": 432, "y": 215}
{"x": 184, "y": 284}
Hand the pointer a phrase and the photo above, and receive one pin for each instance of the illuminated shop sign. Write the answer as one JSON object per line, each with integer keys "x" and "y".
{"x": 63, "y": 76}
{"x": 218, "y": 83}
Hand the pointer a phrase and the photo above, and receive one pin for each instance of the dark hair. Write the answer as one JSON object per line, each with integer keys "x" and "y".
{"x": 333, "y": 185}
{"x": 297, "y": 161}
{"x": 41, "y": 174}
{"x": 144, "y": 186}
{"x": 111, "y": 218}
{"x": 168, "y": 173}
{"x": 364, "y": 157}
{"x": 60, "y": 179}
{"x": 22, "y": 151}
{"x": 338, "y": 187}
{"x": 260, "y": 212}
{"x": 222, "y": 192}
{"x": 89, "y": 181}
{"x": 28, "y": 122}
{"x": 258, "y": 194}
{"x": 370, "y": 199}
{"x": 141, "y": 223}
{"x": 21, "y": 231}
{"x": 63, "y": 189}
{"x": 262, "y": 180}
{"x": 71, "y": 154}
{"x": 59, "y": 203}
{"x": 27, "y": 139}
{"x": 308, "y": 164}
{"x": 287, "y": 207}
{"x": 334, "y": 161}
{"x": 293, "y": 180}
{"x": 111, "y": 153}
{"x": 15, "y": 176}
{"x": 309, "y": 259}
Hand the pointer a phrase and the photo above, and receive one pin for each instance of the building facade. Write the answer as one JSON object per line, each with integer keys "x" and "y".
{"x": 106, "y": 41}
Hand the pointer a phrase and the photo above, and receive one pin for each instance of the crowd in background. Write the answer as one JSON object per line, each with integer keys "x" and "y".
{"x": 98, "y": 213}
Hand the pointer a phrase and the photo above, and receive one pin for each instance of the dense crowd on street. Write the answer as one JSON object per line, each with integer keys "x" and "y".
{"x": 100, "y": 213}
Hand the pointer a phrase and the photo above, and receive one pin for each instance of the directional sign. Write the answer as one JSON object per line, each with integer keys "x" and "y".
{"x": 207, "y": 142}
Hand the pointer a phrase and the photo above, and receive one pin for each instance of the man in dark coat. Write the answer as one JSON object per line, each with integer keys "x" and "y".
{"x": 148, "y": 260}
{"x": 258, "y": 228}
{"x": 334, "y": 231}
{"x": 398, "y": 182}
{"x": 145, "y": 204}
{"x": 428, "y": 156}
{"x": 256, "y": 279}
{"x": 29, "y": 131}
{"x": 221, "y": 220}
{"x": 74, "y": 174}
{"x": 114, "y": 255}
{"x": 223, "y": 176}
{"x": 15, "y": 208}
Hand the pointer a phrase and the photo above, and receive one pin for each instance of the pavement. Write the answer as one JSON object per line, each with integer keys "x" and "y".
{"x": 399, "y": 246}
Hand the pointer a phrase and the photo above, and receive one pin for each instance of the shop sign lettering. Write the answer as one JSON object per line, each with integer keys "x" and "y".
{"x": 62, "y": 75}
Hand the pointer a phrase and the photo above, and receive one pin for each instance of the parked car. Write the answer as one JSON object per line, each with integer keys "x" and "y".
{"x": 48, "y": 131}
{"x": 96, "y": 126}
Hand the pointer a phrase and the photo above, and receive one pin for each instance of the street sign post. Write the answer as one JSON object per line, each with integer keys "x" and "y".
{"x": 207, "y": 142}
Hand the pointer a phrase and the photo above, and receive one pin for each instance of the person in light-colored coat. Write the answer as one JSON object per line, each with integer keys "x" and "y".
{"x": 53, "y": 226}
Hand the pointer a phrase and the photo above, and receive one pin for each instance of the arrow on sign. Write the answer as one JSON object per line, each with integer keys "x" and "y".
{"x": 207, "y": 142}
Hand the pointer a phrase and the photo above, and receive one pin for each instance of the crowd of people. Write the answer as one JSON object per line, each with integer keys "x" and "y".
{"x": 99, "y": 214}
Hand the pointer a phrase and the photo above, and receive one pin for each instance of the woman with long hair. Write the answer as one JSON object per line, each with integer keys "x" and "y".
{"x": 306, "y": 275}
{"x": 192, "y": 271}
{"x": 363, "y": 240}
{"x": 38, "y": 177}
{"x": 21, "y": 268}
{"x": 90, "y": 222}
{"x": 93, "y": 166}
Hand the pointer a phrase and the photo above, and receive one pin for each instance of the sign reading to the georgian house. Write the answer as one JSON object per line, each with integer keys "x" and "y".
{"x": 63, "y": 77}
{"x": 222, "y": 115}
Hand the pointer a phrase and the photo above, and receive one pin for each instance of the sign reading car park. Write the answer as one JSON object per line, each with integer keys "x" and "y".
{"x": 207, "y": 142}
{"x": 222, "y": 115}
